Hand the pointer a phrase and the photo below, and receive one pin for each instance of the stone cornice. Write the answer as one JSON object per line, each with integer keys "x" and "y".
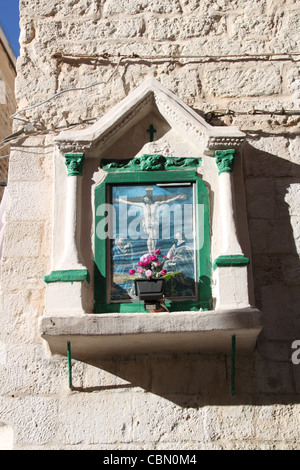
{"x": 223, "y": 142}
{"x": 149, "y": 96}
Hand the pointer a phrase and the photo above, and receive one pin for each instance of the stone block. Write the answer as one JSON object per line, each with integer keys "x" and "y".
{"x": 242, "y": 81}
{"x": 280, "y": 307}
{"x": 291, "y": 268}
{"x": 261, "y": 198}
{"x": 245, "y": 27}
{"x": 23, "y": 238}
{"x": 231, "y": 287}
{"x": 29, "y": 200}
{"x": 180, "y": 28}
{"x": 28, "y": 164}
{"x": 117, "y": 375}
{"x": 231, "y": 423}
{"x": 55, "y": 31}
{"x": 268, "y": 352}
{"x": 287, "y": 25}
{"x": 18, "y": 306}
{"x": 264, "y": 187}
{"x": 261, "y": 207}
{"x": 156, "y": 419}
{"x": 215, "y": 45}
{"x": 36, "y": 86}
{"x": 23, "y": 273}
{"x": 33, "y": 419}
{"x": 65, "y": 297}
{"x": 225, "y": 6}
{"x": 134, "y": 7}
{"x": 273, "y": 376}
{"x": 207, "y": 371}
{"x": 56, "y": 8}
{"x": 41, "y": 375}
{"x": 268, "y": 269}
{"x": 271, "y": 236}
{"x": 188, "y": 90}
{"x": 94, "y": 418}
{"x": 278, "y": 423}
{"x": 293, "y": 86}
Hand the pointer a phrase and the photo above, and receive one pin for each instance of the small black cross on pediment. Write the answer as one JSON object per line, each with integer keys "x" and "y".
{"x": 151, "y": 131}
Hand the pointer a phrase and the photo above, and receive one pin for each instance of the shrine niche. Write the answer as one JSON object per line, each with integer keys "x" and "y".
{"x": 150, "y": 154}
{"x": 159, "y": 210}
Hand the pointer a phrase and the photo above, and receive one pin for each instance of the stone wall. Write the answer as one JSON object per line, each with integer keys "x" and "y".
{"x": 215, "y": 55}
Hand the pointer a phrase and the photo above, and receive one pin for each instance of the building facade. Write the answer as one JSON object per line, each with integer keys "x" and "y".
{"x": 194, "y": 100}
{"x": 7, "y": 102}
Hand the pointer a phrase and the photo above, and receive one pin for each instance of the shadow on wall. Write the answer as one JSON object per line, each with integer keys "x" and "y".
{"x": 268, "y": 376}
{"x": 272, "y": 186}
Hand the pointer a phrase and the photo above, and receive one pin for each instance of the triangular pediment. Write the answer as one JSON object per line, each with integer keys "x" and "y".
{"x": 150, "y": 97}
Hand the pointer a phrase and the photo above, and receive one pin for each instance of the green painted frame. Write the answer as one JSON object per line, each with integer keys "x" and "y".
{"x": 203, "y": 258}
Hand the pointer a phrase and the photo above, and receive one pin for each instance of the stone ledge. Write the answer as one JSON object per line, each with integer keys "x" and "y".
{"x": 70, "y": 275}
{"x": 102, "y": 336}
{"x": 230, "y": 260}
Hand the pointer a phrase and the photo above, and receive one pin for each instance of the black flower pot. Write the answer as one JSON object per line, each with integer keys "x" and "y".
{"x": 150, "y": 290}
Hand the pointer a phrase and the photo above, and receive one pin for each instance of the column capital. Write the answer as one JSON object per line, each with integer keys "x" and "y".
{"x": 225, "y": 160}
{"x": 74, "y": 163}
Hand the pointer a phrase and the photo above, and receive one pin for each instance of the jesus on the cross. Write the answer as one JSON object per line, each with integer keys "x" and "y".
{"x": 150, "y": 204}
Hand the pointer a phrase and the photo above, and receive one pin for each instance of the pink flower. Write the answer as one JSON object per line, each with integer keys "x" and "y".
{"x": 148, "y": 273}
{"x": 169, "y": 255}
{"x": 157, "y": 252}
{"x": 131, "y": 271}
{"x": 140, "y": 269}
{"x": 163, "y": 272}
{"x": 153, "y": 258}
{"x": 157, "y": 264}
{"x": 145, "y": 257}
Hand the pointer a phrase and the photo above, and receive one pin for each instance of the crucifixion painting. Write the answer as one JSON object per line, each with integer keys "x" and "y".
{"x": 150, "y": 205}
{"x": 149, "y": 217}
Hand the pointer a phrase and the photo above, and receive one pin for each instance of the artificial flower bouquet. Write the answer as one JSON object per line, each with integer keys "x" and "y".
{"x": 152, "y": 266}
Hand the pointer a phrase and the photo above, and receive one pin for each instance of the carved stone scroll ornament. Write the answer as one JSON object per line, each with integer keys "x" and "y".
{"x": 150, "y": 163}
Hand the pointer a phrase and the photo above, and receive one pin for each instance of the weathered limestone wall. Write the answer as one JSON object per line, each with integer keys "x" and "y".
{"x": 217, "y": 54}
{"x": 7, "y": 101}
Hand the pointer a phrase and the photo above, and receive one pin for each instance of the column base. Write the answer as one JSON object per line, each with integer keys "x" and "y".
{"x": 67, "y": 291}
{"x": 231, "y": 286}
